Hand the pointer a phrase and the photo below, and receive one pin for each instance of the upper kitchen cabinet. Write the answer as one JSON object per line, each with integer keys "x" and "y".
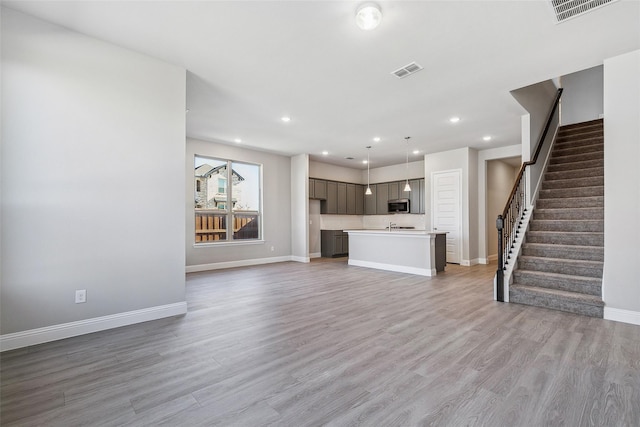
{"x": 342, "y": 198}
{"x": 317, "y": 189}
{"x": 370, "y": 201}
{"x": 382, "y": 198}
{"x": 416, "y": 201}
{"x": 330, "y": 205}
{"x": 359, "y": 189}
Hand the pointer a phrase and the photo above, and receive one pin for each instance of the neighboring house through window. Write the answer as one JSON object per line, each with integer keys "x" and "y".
{"x": 215, "y": 222}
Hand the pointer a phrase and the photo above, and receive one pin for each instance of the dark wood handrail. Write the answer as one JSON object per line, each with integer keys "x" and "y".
{"x": 547, "y": 125}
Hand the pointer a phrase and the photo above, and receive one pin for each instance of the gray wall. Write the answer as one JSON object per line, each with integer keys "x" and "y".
{"x": 583, "y": 96}
{"x": 621, "y": 281}
{"x": 92, "y": 177}
{"x": 276, "y": 190}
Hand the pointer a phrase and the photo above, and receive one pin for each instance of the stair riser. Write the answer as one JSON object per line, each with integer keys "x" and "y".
{"x": 567, "y": 225}
{"x": 587, "y": 147}
{"x": 579, "y": 140}
{"x": 556, "y": 193}
{"x": 581, "y": 239}
{"x": 577, "y": 214}
{"x": 562, "y": 284}
{"x": 557, "y": 304}
{"x": 574, "y": 174}
{"x": 559, "y": 267}
{"x": 573, "y": 183}
{"x": 587, "y": 164}
{"x": 579, "y": 202}
{"x": 599, "y": 155}
{"x": 592, "y": 253}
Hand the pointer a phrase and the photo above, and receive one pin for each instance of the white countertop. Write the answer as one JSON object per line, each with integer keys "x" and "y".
{"x": 384, "y": 231}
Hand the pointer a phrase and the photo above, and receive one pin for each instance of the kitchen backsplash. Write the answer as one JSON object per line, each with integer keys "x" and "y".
{"x": 400, "y": 220}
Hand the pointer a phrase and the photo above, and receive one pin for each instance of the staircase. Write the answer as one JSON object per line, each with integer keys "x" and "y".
{"x": 562, "y": 258}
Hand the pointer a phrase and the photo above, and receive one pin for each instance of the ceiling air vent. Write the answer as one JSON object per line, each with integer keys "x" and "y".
{"x": 407, "y": 70}
{"x": 567, "y": 9}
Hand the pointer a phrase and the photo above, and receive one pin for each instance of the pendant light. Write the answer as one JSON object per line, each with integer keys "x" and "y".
{"x": 368, "y": 192}
{"x": 407, "y": 187}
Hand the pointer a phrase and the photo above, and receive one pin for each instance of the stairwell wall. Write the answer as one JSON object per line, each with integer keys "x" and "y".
{"x": 621, "y": 281}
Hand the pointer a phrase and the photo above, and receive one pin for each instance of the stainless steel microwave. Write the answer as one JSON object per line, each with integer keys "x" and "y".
{"x": 398, "y": 206}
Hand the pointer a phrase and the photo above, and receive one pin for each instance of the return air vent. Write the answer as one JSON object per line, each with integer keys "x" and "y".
{"x": 407, "y": 70}
{"x": 567, "y": 9}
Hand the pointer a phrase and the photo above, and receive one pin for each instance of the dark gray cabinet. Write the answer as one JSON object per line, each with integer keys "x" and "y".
{"x": 370, "y": 200}
{"x": 359, "y": 197}
{"x": 416, "y": 196}
{"x": 334, "y": 243}
{"x": 351, "y": 199}
{"x": 382, "y": 198}
{"x": 317, "y": 189}
{"x": 342, "y": 198}
{"x": 330, "y": 205}
{"x": 395, "y": 191}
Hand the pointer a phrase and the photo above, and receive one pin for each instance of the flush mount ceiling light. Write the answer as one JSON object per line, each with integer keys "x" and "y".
{"x": 368, "y": 16}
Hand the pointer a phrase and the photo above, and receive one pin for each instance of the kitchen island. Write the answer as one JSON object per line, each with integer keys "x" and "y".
{"x": 419, "y": 252}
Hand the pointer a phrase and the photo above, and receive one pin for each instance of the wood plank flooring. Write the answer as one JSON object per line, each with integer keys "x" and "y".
{"x": 325, "y": 343}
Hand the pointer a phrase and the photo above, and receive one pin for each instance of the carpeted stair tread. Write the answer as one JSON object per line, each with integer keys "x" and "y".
{"x": 583, "y": 164}
{"x": 562, "y": 282}
{"x": 564, "y": 225}
{"x": 551, "y": 193}
{"x": 572, "y": 267}
{"x": 577, "y": 238}
{"x": 592, "y": 213}
{"x": 591, "y": 181}
{"x": 587, "y": 147}
{"x": 588, "y": 305}
{"x": 551, "y": 250}
{"x": 571, "y": 202}
{"x": 574, "y": 174}
{"x": 596, "y": 155}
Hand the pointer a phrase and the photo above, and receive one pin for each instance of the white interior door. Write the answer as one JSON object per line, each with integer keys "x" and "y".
{"x": 446, "y": 210}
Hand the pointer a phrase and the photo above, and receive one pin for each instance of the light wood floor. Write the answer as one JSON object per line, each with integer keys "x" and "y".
{"x": 323, "y": 343}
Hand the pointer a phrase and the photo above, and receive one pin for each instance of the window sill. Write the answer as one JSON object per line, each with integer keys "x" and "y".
{"x": 228, "y": 243}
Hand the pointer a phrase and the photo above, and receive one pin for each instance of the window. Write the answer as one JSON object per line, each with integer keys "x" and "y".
{"x": 215, "y": 222}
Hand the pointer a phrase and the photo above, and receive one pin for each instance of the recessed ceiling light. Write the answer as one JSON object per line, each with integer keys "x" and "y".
{"x": 416, "y": 151}
{"x": 376, "y": 139}
{"x": 325, "y": 153}
{"x": 486, "y": 138}
{"x": 237, "y": 140}
{"x": 364, "y": 162}
{"x": 285, "y": 119}
{"x": 454, "y": 119}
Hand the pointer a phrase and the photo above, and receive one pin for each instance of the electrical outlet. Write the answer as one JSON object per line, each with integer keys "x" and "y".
{"x": 81, "y": 296}
{"x": 272, "y": 248}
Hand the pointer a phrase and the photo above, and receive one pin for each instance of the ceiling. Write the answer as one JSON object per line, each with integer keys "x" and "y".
{"x": 251, "y": 62}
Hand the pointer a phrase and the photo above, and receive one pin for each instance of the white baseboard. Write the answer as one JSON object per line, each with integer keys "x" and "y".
{"x": 393, "y": 267}
{"x": 239, "y": 263}
{"x": 300, "y": 258}
{"x": 620, "y": 315}
{"x": 470, "y": 262}
{"x": 315, "y": 255}
{"x": 87, "y": 326}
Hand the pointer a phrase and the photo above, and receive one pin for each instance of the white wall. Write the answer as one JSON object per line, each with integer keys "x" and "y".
{"x": 314, "y": 228}
{"x": 92, "y": 178}
{"x": 621, "y": 281}
{"x": 336, "y": 173}
{"x": 486, "y": 223}
{"x": 582, "y": 99}
{"x": 276, "y": 190}
{"x": 300, "y": 207}
{"x": 500, "y": 179}
{"x": 449, "y": 160}
{"x": 396, "y": 172}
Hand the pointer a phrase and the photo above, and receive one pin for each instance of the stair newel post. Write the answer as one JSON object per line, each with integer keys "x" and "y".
{"x": 500, "y": 272}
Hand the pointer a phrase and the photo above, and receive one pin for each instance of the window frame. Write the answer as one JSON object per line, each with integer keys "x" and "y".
{"x": 230, "y": 214}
